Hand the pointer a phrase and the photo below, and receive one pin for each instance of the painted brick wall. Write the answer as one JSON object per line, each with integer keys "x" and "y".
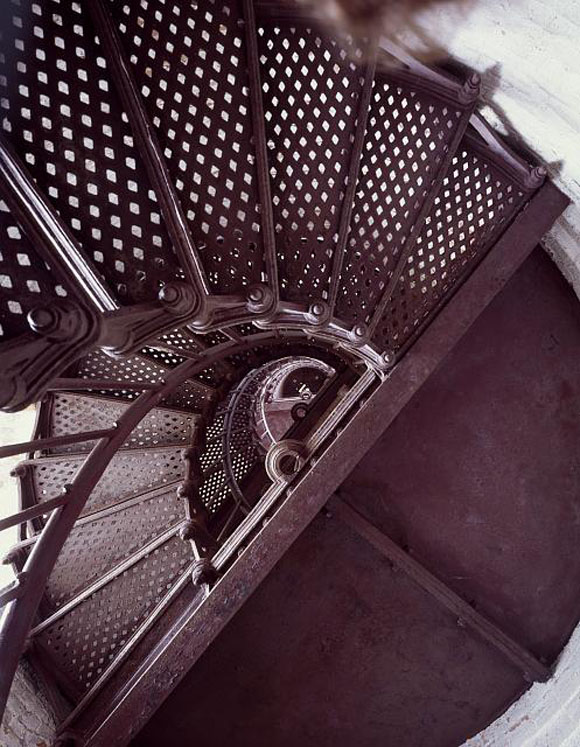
{"x": 547, "y": 715}
{"x": 28, "y": 720}
{"x": 527, "y": 54}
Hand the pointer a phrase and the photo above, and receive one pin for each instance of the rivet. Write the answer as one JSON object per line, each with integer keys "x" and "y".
{"x": 41, "y": 318}
{"x": 388, "y": 358}
{"x": 318, "y": 309}
{"x": 169, "y": 294}
{"x": 256, "y": 294}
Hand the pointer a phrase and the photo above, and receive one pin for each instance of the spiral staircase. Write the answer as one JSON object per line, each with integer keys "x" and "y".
{"x": 232, "y": 247}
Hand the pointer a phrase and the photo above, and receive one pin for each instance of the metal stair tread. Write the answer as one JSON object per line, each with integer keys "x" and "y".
{"x": 94, "y": 547}
{"x": 76, "y": 413}
{"x": 118, "y": 609}
{"x": 48, "y": 475}
{"x": 189, "y": 395}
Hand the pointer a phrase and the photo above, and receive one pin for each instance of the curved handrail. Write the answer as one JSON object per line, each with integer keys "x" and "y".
{"x": 227, "y": 433}
{"x": 228, "y": 551}
{"x": 20, "y": 612}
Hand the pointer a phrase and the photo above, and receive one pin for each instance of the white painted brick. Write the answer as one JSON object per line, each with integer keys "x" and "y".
{"x": 527, "y": 54}
{"x": 28, "y": 720}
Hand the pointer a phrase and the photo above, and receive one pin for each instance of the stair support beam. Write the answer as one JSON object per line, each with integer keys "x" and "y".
{"x": 258, "y": 126}
{"x": 531, "y": 667}
{"x": 149, "y": 147}
{"x": 352, "y": 179}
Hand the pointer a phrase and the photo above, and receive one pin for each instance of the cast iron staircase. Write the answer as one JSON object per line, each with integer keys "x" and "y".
{"x": 190, "y": 192}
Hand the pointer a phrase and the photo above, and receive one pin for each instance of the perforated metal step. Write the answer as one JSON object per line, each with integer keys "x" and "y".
{"x": 63, "y": 116}
{"x": 96, "y": 546}
{"x": 25, "y": 279}
{"x": 76, "y": 413}
{"x": 311, "y": 88}
{"x": 197, "y": 94}
{"x": 84, "y": 641}
{"x": 190, "y": 395}
{"x": 124, "y": 477}
{"x": 476, "y": 200}
{"x": 409, "y": 133}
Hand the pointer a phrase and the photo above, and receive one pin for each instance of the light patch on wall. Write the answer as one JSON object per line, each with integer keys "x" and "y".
{"x": 527, "y": 55}
{"x": 14, "y": 428}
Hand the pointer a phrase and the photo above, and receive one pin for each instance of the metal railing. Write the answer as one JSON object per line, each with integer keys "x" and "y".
{"x": 24, "y": 596}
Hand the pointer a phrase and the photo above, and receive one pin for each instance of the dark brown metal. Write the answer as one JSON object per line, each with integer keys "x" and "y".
{"x": 64, "y": 684}
{"x": 195, "y": 527}
{"x": 33, "y": 512}
{"x": 353, "y": 173}
{"x": 310, "y": 120}
{"x": 520, "y": 228}
{"x": 288, "y": 12}
{"x": 419, "y": 76}
{"x": 49, "y": 443}
{"x": 532, "y": 668}
{"x": 263, "y": 170}
{"x": 72, "y": 385}
{"x": 530, "y": 178}
{"x": 25, "y": 487}
{"x": 221, "y": 199}
{"x": 20, "y": 549}
{"x": 19, "y": 617}
{"x": 46, "y": 550}
{"x": 61, "y": 334}
{"x": 150, "y": 149}
{"x": 130, "y": 328}
{"x": 420, "y": 218}
{"x": 13, "y": 591}
{"x": 116, "y": 719}
{"x": 52, "y": 238}
{"x": 118, "y": 569}
{"x": 226, "y": 207}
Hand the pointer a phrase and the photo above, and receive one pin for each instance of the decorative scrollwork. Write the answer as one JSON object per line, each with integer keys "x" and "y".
{"x": 128, "y": 329}
{"x": 60, "y": 333}
{"x": 259, "y": 299}
{"x": 285, "y": 459}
